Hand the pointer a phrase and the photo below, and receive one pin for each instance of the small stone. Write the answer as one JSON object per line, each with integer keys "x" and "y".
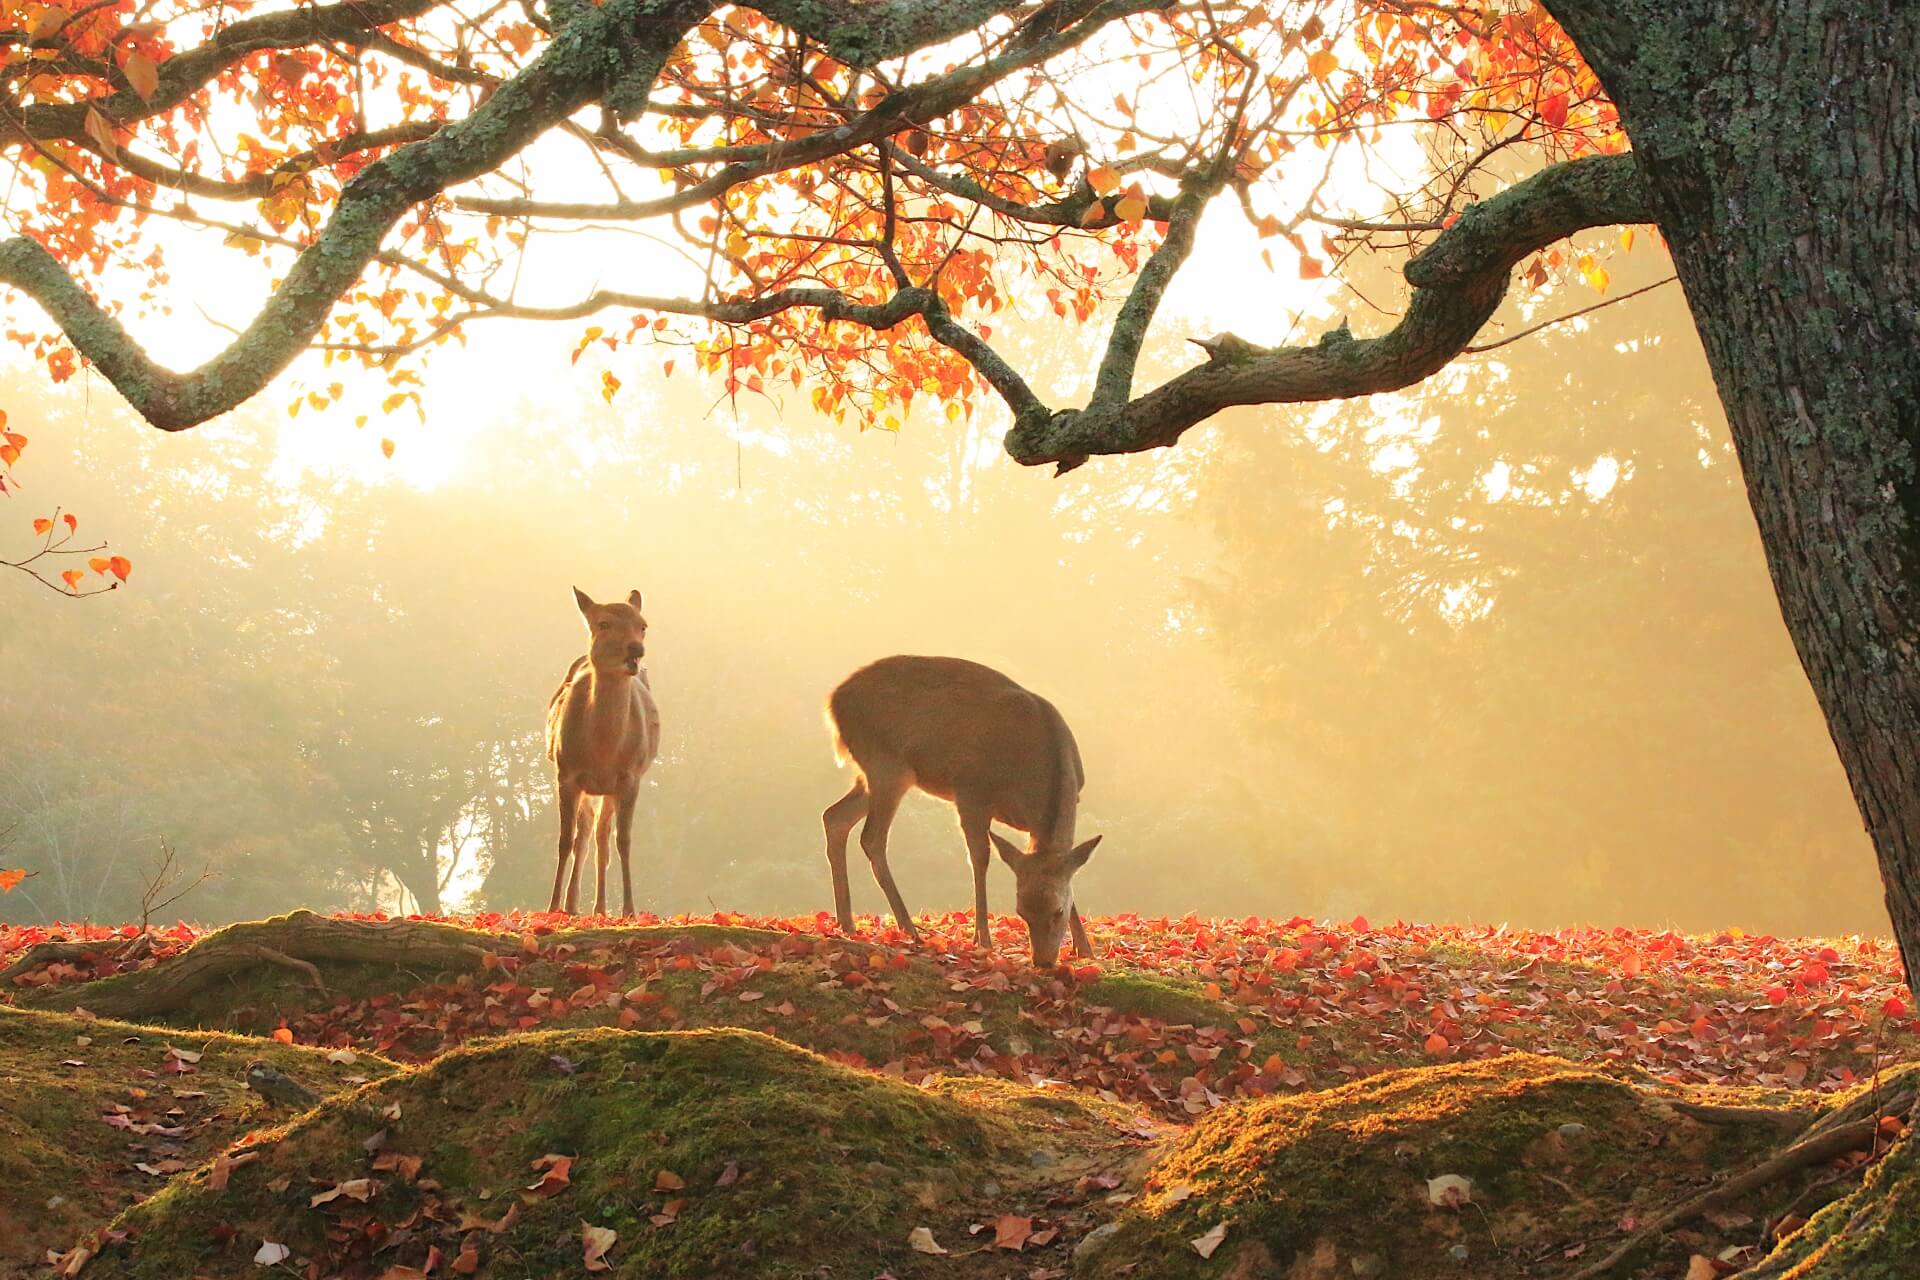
{"x": 989, "y": 1188}
{"x": 1094, "y": 1241}
{"x": 1041, "y": 1159}
{"x": 1367, "y": 1266}
{"x": 1572, "y": 1130}
{"x": 1458, "y": 1253}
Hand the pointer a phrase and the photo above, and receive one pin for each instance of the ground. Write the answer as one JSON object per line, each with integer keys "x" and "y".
{"x": 766, "y": 1098}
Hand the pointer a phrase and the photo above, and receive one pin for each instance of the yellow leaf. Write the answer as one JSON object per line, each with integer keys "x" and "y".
{"x": 386, "y": 447}
{"x": 1130, "y": 207}
{"x": 97, "y": 564}
{"x": 1626, "y": 239}
{"x": 1103, "y": 180}
{"x": 142, "y": 74}
{"x": 1321, "y": 63}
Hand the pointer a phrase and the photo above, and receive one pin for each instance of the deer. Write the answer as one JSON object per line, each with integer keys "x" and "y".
{"x": 603, "y": 732}
{"x": 967, "y": 734}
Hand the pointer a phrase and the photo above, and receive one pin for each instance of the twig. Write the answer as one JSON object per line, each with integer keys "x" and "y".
{"x": 1530, "y": 330}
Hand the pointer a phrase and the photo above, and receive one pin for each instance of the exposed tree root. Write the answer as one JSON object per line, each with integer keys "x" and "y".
{"x": 293, "y": 941}
{"x": 54, "y": 952}
{"x": 1847, "y": 1129}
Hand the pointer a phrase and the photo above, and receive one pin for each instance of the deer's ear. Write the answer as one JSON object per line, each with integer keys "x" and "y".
{"x": 1081, "y": 852}
{"x": 633, "y": 597}
{"x": 581, "y": 599}
{"x": 1009, "y": 852}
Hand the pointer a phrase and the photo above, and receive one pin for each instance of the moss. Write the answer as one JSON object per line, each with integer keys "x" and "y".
{"x": 1341, "y": 1176}
{"x": 790, "y": 1164}
{"x": 64, "y": 1168}
{"x": 1148, "y": 996}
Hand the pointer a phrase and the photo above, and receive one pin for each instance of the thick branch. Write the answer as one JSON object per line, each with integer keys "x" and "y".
{"x": 630, "y": 37}
{"x": 1459, "y": 281}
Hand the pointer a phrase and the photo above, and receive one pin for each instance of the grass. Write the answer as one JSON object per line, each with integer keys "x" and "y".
{"x": 65, "y": 1169}
{"x": 709, "y": 1154}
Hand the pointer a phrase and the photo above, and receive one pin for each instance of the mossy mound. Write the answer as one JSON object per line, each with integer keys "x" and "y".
{"x": 1314, "y": 1186}
{"x": 709, "y": 1153}
{"x": 84, "y": 1103}
{"x": 1872, "y": 1234}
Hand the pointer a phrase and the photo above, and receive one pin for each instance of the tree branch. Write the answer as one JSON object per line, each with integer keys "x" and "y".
{"x": 1459, "y": 281}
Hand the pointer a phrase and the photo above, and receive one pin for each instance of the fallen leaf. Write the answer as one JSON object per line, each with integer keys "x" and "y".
{"x": 1011, "y": 1231}
{"x": 467, "y": 1261}
{"x": 408, "y": 1167}
{"x": 557, "y": 1173}
{"x": 474, "y": 1222}
{"x": 223, "y": 1167}
{"x": 271, "y": 1254}
{"x": 921, "y": 1240}
{"x": 360, "y": 1189}
{"x": 1204, "y": 1245}
{"x": 596, "y": 1241}
{"x": 667, "y": 1180}
{"x": 1449, "y": 1191}
{"x": 728, "y": 1176}
{"x": 1700, "y": 1267}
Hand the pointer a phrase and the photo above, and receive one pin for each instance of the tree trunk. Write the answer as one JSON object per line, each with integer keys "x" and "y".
{"x": 1779, "y": 141}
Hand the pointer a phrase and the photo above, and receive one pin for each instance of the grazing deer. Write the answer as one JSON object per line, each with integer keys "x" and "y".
{"x": 603, "y": 731}
{"x": 967, "y": 734}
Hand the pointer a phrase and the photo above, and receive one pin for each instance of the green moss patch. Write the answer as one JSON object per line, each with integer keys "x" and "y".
{"x": 84, "y": 1103}
{"x": 1555, "y": 1157}
{"x": 707, "y": 1153}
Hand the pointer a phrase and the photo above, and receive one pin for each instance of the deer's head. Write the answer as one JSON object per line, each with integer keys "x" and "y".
{"x": 1043, "y": 879}
{"x": 619, "y": 633}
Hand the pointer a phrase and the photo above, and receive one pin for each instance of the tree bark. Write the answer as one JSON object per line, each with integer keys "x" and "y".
{"x": 1779, "y": 145}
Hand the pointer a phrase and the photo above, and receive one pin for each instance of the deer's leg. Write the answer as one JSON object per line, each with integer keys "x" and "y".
{"x": 603, "y": 842}
{"x": 839, "y": 819}
{"x": 884, "y": 794}
{"x": 629, "y": 798}
{"x": 569, "y": 804}
{"x": 974, "y": 821}
{"x": 1082, "y": 945}
{"x": 582, "y": 831}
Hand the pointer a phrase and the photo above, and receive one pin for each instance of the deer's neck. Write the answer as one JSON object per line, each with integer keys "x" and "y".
{"x": 609, "y": 704}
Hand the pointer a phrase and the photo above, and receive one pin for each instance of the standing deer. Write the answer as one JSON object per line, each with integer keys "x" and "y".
{"x": 964, "y": 733}
{"x": 603, "y": 731}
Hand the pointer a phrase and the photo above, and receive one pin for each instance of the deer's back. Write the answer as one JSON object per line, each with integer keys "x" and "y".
{"x": 958, "y": 727}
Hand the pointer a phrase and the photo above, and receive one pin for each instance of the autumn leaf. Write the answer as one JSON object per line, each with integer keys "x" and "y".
{"x": 101, "y": 132}
{"x": 386, "y": 447}
{"x": 921, "y": 1240}
{"x": 223, "y": 1167}
{"x": 142, "y": 74}
{"x": 595, "y": 1241}
{"x": 283, "y": 1035}
{"x": 72, "y": 578}
{"x": 1104, "y": 180}
{"x": 120, "y": 566}
{"x": 11, "y": 878}
{"x": 1011, "y": 1231}
{"x": 1204, "y": 1245}
{"x": 492, "y": 1226}
{"x": 666, "y": 1180}
{"x": 42, "y": 526}
{"x": 467, "y": 1261}
{"x": 360, "y": 1189}
{"x": 271, "y": 1253}
{"x": 1130, "y": 207}
{"x": 556, "y": 1173}
{"x": 48, "y": 24}
{"x": 408, "y": 1167}
{"x": 1321, "y": 63}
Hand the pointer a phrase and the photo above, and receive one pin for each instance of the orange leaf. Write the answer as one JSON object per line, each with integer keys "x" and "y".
{"x": 121, "y": 567}
{"x": 41, "y": 525}
{"x": 283, "y": 1035}
{"x": 72, "y": 578}
{"x": 98, "y": 565}
{"x": 386, "y": 447}
{"x": 101, "y": 132}
{"x": 1321, "y": 63}
{"x": 73, "y": 525}
{"x": 1103, "y": 180}
{"x": 10, "y": 878}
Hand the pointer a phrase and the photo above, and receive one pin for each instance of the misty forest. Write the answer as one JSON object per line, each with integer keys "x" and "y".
{"x": 898, "y": 639}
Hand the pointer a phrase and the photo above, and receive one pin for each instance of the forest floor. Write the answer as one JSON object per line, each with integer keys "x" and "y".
{"x": 532, "y": 1095}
